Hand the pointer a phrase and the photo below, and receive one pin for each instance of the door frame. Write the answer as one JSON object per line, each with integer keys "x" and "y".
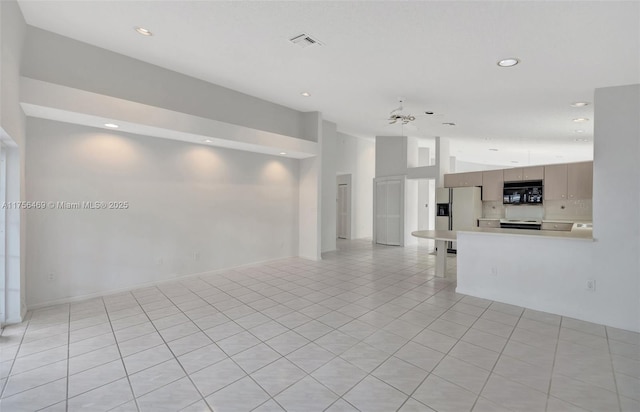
{"x": 345, "y": 179}
{"x": 402, "y": 179}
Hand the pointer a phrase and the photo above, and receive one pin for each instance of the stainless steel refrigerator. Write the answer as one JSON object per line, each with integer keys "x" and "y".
{"x": 458, "y": 208}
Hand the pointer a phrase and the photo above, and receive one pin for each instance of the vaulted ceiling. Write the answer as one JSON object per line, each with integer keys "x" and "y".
{"x": 440, "y": 56}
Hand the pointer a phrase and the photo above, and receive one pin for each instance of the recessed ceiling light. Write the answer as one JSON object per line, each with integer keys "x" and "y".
{"x": 306, "y": 94}
{"x": 508, "y": 62}
{"x": 143, "y": 31}
{"x": 581, "y": 120}
{"x": 449, "y": 124}
{"x": 283, "y": 153}
{"x": 579, "y": 104}
{"x": 208, "y": 141}
{"x": 578, "y": 131}
{"x": 111, "y": 125}
{"x": 494, "y": 150}
{"x": 428, "y": 112}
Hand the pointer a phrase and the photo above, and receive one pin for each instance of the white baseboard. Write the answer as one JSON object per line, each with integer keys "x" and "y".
{"x": 79, "y": 298}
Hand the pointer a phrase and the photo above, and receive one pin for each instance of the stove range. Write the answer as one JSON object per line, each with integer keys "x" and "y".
{"x": 520, "y": 224}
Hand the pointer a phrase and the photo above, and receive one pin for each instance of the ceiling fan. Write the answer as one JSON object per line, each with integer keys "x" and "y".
{"x": 396, "y": 115}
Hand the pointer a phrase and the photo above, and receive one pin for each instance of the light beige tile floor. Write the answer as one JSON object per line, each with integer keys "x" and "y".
{"x": 368, "y": 328}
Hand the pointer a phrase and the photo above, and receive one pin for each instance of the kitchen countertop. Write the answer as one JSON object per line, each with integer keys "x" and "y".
{"x": 545, "y": 220}
{"x": 576, "y": 233}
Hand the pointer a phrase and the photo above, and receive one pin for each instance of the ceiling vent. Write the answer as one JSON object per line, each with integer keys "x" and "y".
{"x": 304, "y": 40}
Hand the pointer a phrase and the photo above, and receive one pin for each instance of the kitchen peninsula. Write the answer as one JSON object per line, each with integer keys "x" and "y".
{"x": 579, "y": 231}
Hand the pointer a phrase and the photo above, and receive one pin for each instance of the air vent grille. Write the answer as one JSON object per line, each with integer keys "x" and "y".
{"x": 305, "y": 40}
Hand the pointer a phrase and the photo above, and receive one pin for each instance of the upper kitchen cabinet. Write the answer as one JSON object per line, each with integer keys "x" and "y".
{"x": 518, "y": 174}
{"x": 468, "y": 179}
{"x": 580, "y": 180}
{"x": 492, "y": 184}
{"x": 568, "y": 181}
{"x": 555, "y": 182}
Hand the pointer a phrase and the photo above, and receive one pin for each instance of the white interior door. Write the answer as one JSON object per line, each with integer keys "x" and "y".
{"x": 381, "y": 212}
{"x": 343, "y": 211}
{"x": 389, "y": 212}
{"x": 394, "y": 212}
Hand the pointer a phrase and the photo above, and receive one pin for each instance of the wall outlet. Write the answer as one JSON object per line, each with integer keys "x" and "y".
{"x": 52, "y": 276}
{"x": 591, "y": 285}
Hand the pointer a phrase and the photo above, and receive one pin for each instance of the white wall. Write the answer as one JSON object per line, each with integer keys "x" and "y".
{"x": 410, "y": 211}
{"x": 329, "y": 189}
{"x": 309, "y": 197}
{"x": 616, "y": 206}
{"x": 551, "y": 274}
{"x": 462, "y": 166}
{"x": 391, "y": 156}
{"x": 12, "y": 133}
{"x": 193, "y": 208}
{"x": 61, "y": 60}
{"x": 356, "y": 156}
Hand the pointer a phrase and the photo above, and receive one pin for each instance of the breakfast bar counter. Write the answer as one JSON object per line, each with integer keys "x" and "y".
{"x": 578, "y": 232}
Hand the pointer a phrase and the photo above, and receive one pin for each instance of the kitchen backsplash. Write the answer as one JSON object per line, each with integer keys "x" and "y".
{"x": 553, "y": 209}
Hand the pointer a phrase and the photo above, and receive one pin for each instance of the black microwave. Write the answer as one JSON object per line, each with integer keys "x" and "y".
{"x": 522, "y": 193}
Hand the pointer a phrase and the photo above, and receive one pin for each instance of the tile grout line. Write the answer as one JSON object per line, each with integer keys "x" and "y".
{"x": 499, "y": 355}
{"x": 389, "y": 357}
{"x": 121, "y": 359}
{"x": 446, "y": 354}
{"x": 66, "y": 398}
{"x": 341, "y": 397}
{"x": 174, "y": 357}
{"x": 13, "y": 362}
{"x": 228, "y": 356}
{"x": 312, "y": 341}
{"x": 553, "y": 364}
{"x": 615, "y": 379}
{"x": 380, "y": 288}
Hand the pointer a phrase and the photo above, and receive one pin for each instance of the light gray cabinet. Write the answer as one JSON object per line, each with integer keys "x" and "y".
{"x": 518, "y": 174}
{"x": 580, "y": 180}
{"x": 573, "y": 181}
{"x": 492, "y": 185}
{"x": 467, "y": 179}
{"x": 555, "y": 182}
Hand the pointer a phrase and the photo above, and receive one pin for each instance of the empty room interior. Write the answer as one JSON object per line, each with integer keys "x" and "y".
{"x": 320, "y": 206}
